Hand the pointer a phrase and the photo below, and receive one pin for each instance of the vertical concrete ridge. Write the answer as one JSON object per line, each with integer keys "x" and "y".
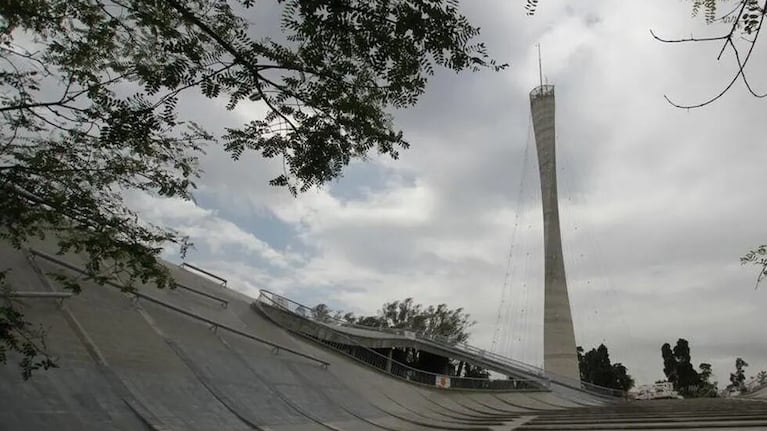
{"x": 114, "y": 380}
{"x": 559, "y": 350}
{"x": 274, "y": 390}
{"x": 204, "y": 381}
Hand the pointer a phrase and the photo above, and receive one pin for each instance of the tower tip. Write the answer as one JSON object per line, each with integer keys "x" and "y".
{"x": 540, "y": 67}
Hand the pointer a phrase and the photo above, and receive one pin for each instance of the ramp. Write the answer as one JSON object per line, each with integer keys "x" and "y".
{"x": 200, "y": 358}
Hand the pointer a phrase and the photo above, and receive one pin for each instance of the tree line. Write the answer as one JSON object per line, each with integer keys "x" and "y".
{"x": 449, "y": 325}
{"x": 691, "y": 383}
{"x": 596, "y": 368}
{"x": 595, "y": 365}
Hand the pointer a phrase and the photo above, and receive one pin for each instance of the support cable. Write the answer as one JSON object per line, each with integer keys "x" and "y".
{"x": 590, "y": 253}
{"x": 506, "y": 289}
{"x": 532, "y": 274}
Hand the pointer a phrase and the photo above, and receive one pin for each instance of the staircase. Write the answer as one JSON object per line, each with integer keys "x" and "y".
{"x": 697, "y": 414}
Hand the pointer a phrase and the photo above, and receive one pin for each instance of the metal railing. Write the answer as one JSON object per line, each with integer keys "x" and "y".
{"x": 405, "y": 372}
{"x": 438, "y": 340}
{"x": 542, "y": 90}
{"x": 270, "y": 303}
{"x": 209, "y": 274}
{"x": 52, "y": 295}
{"x": 445, "y": 342}
{"x": 224, "y": 303}
{"x": 214, "y": 325}
{"x": 586, "y": 386}
{"x": 59, "y": 297}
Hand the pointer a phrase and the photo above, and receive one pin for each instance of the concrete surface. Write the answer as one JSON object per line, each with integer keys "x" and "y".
{"x": 559, "y": 354}
{"x": 140, "y": 365}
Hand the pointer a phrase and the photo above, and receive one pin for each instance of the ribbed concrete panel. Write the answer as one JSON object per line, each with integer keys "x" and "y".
{"x": 227, "y": 375}
{"x": 144, "y": 363}
{"x": 145, "y": 366}
{"x": 559, "y": 354}
{"x": 77, "y": 395}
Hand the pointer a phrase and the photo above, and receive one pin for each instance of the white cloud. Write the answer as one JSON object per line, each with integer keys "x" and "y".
{"x": 396, "y": 205}
{"x": 205, "y": 228}
{"x": 657, "y": 202}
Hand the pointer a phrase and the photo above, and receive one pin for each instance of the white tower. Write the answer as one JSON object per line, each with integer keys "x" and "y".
{"x": 559, "y": 351}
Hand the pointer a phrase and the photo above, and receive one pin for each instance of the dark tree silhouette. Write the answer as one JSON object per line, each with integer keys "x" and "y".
{"x": 595, "y": 367}
{"x": 678, "y": 368}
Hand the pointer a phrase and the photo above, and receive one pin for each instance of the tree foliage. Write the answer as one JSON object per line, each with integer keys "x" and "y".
{"x": 758, "y": 257}
{"x": 678, "y": 368}
{"x": 738, "y": 378}
{"x": 531, "y": 6}
{"x": 761, "y": 377}
{"x": 441, "y": 322}
{"x": 320, "y": 312}
{"x": 20, "y": 336}
{"x": 450, "y": 325}
{"x": 595, "y": 367}
{"x": 90, "y": 90}
{"x": 707, "y": 388}
{"x": 707, "y": 6}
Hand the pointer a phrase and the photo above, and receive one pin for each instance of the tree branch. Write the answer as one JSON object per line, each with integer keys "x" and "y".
{"x": 238, "y": 57}
{"x": 728, "y": 42}
{"x": 689, "y": 39}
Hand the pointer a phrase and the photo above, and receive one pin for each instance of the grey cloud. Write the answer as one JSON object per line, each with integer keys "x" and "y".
{"x": 664, "y": 200}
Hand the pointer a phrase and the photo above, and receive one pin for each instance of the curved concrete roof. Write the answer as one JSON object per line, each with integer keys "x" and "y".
{"x": 180, "y": 360}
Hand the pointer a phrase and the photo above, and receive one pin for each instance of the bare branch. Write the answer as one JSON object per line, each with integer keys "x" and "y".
{"x": 728, "y": 39}
{"x": 689, "y": 39}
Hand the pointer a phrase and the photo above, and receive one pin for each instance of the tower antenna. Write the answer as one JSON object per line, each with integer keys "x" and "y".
{"x": 540, "y": 68}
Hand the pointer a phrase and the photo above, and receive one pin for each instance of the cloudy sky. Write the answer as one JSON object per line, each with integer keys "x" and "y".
{"x": 657, "y": 203}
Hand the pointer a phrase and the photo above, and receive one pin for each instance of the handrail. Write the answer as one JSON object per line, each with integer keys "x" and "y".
{"x": 54, "y": 295}
{"x": 386, "y": 364}
{"x": 224, "y": 302}
{"x": 466, "y": 348}
{"x": 216, "y": 325}
{"x": 197, "y": 268}
{"x": 180, "y": 310}
{"x": 587, "y": 386}
{"x": 485, "y": 354}
{"x": 542, "y": 90}
{"x": 439, "y": 340}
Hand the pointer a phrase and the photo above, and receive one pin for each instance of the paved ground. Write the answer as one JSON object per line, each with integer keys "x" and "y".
{"x": 177, "y": 360}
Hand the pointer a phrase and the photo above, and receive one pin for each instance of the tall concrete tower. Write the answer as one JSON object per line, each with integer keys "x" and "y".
{"x": 559, "y": 354}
